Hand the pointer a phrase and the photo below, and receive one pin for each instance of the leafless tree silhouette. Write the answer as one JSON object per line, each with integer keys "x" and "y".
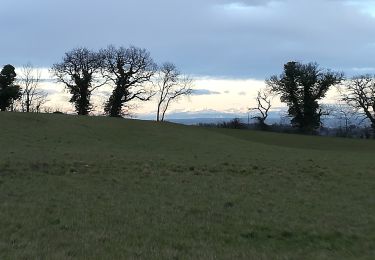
{"x": 32, "y": 96}
{"x": 263, "y": 99}
{"x": 171, "y": 85}
{"x": 359, "y": 93}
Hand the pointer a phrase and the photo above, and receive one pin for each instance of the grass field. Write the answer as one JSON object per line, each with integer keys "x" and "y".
{"x": 100, "y": 188}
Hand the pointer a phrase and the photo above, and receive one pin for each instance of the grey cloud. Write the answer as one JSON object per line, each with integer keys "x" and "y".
{"x": 364, "y": 70}
{"x": 201, "y": 37}
{"x": 202, "y": 92}
{"x": 47, "y": 80}
{"x": 242, "y": 93}
{"x": 104, "y": 93}
{"x": 201, "y": 113}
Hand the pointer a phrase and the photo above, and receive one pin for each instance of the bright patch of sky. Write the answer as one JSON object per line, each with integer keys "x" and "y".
{"x": 367, "y": 7}
{"x": 214, "y": 98}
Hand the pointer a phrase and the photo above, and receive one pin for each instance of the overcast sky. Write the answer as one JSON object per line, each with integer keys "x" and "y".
{"x": 215, "y": 38}
{"x": 228, "y": 46}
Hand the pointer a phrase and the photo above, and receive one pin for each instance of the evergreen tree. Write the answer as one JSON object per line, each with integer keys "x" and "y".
{"x": 9, "y": 92}
{"x": 301, "y": 86}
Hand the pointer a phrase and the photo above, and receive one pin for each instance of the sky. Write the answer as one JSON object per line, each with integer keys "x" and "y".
{"x": 228, "y": 46}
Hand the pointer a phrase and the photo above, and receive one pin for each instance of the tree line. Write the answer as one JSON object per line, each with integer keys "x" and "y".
{"x": 130, "y": 72}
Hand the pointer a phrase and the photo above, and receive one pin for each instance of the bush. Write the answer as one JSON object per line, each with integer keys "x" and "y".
{"x": 233, "y": 124}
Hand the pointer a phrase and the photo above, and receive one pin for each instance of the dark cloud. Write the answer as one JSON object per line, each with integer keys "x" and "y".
{"x": 242, "y": 93}
{"x": 202, "y": 92}
{"x": 242, "y": 38}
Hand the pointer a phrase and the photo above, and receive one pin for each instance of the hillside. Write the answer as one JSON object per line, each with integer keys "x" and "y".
{"x": 101, "y": 188}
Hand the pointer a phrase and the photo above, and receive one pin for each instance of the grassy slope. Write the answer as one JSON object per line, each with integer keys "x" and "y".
{"x": 106, "y": 188}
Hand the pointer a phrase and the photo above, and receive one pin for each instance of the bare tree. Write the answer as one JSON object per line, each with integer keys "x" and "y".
{"x": 32, "y": 96}
{"x": 171, "y": 85}
{"x": 263, "y": 99}
{"x": 129, "y": 69}
{"x": 79, "y": 71}
{"x": 359, "y": 93}
{"x": 344, "y": 117}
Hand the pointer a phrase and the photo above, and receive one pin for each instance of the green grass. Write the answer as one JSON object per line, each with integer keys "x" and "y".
{"x": 100, "y": 188}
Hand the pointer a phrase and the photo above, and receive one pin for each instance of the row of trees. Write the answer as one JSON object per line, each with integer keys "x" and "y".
{"x": 130, "y": 72}
{"x": 133, "y": 75}
{"x": 302, "y": 86}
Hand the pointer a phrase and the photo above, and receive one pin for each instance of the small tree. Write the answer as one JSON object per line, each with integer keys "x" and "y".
{"x": 32, "y": 97}
{"x": 263, "y": 99}
{"x": 78, "y": 71}
{"x": 171, "y": 86}
{"x": 9, "y": 92}
{"x": 301, "y": 86}
{"x": 359, "y": 93}
{"x": 129, "y": 69}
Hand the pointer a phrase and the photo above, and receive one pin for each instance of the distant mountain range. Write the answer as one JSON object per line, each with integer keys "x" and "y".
{"x": 213, "y": 117}
{"x": 195, "y": 121}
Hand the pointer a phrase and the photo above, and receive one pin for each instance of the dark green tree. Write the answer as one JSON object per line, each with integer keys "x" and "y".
{"x": 129, "y": 69}
{"x": 9, "y": 92}
{"x": 79, "y": 71}
{"x": 301, "y": 86}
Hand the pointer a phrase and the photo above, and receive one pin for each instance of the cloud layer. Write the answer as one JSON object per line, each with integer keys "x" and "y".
{"x": 247, "y": 39}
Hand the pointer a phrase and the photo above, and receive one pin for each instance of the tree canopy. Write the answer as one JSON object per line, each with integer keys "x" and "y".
{"x": 129, "y": 69}
{"x": 301, "y": 86}
{"x": 78, "y": 72}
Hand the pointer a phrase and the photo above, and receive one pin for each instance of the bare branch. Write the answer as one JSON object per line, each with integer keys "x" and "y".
{"x": 263, "y": 99}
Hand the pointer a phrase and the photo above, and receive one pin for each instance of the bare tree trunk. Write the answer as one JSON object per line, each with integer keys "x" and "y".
{"x": 165, "y": 110}
{"x": 158, "y": 112}
{"x": 28, "y": 103}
